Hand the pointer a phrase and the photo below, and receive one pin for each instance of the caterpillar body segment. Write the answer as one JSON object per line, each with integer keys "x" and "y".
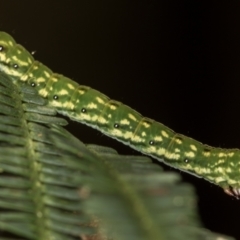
{"x": 91, "y": 107}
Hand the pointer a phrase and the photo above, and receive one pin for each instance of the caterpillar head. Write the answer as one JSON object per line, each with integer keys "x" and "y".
{"x": 15, "y": 60}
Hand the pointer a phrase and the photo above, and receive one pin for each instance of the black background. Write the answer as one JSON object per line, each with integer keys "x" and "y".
{"x": 177, "y": 62}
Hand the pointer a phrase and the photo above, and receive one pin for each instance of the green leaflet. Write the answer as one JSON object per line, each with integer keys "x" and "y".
{"x": 51, "y": 185}
{"x": 88, "y": 106}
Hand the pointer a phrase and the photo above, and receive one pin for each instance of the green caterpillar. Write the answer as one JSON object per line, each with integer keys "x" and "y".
{"x": 88, "y": 106}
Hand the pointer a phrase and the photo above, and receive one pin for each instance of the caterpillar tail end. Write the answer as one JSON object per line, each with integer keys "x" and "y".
{"x": 235, "y": 192}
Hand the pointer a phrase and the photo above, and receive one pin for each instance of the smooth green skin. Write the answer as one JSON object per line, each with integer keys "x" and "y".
{"x": 86, "y": 105}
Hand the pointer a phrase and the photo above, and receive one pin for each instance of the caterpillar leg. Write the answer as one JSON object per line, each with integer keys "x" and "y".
{"x": 235, "y": 192}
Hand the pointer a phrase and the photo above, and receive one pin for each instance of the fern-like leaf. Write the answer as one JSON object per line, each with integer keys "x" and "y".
{"x": 52, "y": 186}
{"x": 132, "y": 197}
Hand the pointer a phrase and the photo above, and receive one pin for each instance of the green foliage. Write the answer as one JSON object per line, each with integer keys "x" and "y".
{"x": 52, "y": 186}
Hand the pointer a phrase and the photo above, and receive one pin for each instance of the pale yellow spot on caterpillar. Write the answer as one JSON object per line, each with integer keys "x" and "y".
{"x": 68, "y": 105}
{"x": 124, "y": 122}
{"x": 7, "y": 70}
{"x": 22, "y": 63}
{"x": 204, "y": 170}
{"x": 171, "y": 155}
{"x": 10, "y": 42}
{"x": 100, "y": 100}
{"x": 94, "y": 118}
{"x": 220, "y": 161}
{"x": 56, "y": 103}
{"x": 164, "y": 134}
{"x": 102, "y": 120}
{"x": 70, "y": 86}
{"x": 85, "y": 117}
{"x": 92, "y": 106}
{"x": 29, "y": 60}
{"x": 231, "y": 154}
{"x": 46, "y": 74}
{"x": 189, "y": 154}
{"x": 4, "y": 58}
{"x": 158, "y": 138}
{"x": 137, "y": 139}
{"x": 228, "y": 170}
{"x": 113, "y": 107}
{"x": 193, "y": 147}
{"x": 146, "y": 125}
{"x": 178, "y": 141}
{"x": 177, "y": 150}
{"x": 53, "y": 79}
{"x": 41, "y": 79}
{"x": 63, "y": 92}
{"x": 221, "y": 154}
{"x": 88, "y": 118}
{"x": 81, "y": 92}
{"x": 132, "y": 117}
{"x": 109, "y": 115}
{"x": 35, "y": 67}
{"x": 24, "y": 77}
{"x": 119, "y": 133}
{"x": 219, "y": 170}
{"x": 128, "y": 135}
{"x": 14, "y": 57}
{"x": 150, "y": 149}
{"x": 206, "y": 154}
{"x": 232, "y": 181}
{"x": 161, "y": 151}
{"x": 43, "y": 92}
{"x": 144, "y": 134}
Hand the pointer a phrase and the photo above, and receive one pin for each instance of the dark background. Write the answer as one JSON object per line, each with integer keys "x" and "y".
{"x": 177, "y": 62}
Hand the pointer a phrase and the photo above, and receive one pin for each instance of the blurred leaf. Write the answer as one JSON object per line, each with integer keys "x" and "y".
{"x": 52, "y": 186}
